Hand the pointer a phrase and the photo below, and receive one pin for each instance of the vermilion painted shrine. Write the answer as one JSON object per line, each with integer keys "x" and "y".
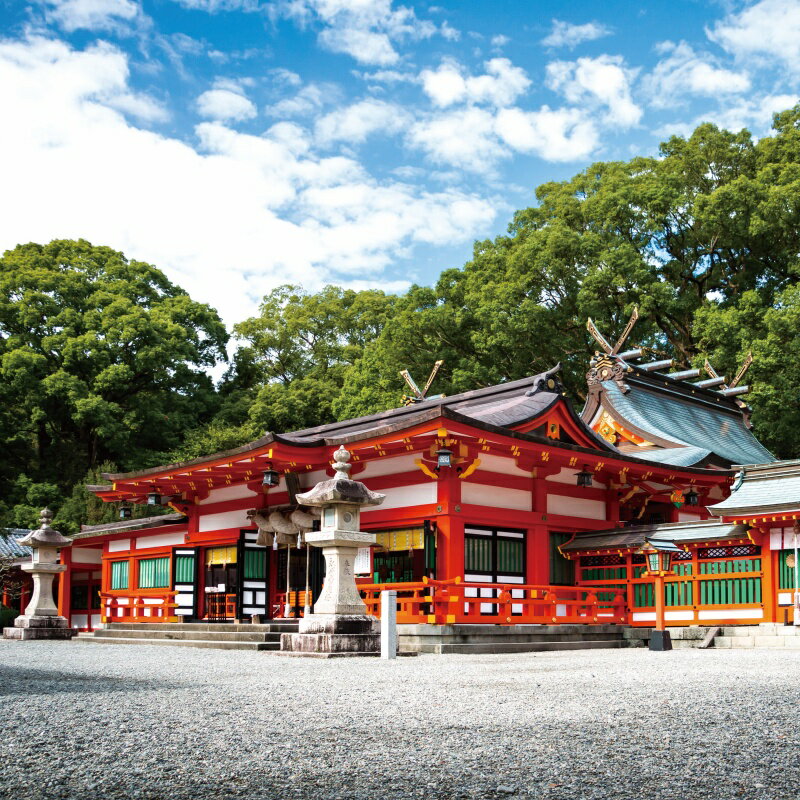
{"x": 537, "y": 518}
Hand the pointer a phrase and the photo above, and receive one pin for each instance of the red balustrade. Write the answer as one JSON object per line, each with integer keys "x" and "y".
{"x": 459, "y": 602}
{"x": 142, "y": 607}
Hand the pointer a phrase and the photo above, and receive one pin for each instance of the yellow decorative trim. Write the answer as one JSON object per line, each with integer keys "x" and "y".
{"x": 470, "y": 469}
{"x": 451, "y": 618}
{"x": 425, "y": 469}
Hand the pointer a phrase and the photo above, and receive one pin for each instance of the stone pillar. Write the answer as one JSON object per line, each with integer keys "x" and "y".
{"x": 40, "y": 618}
{"x": 339, "y": 624}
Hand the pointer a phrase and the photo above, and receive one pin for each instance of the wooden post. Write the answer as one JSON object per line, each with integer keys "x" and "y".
{"x": 65, "y": 586}
{"x": 660, "y": 638}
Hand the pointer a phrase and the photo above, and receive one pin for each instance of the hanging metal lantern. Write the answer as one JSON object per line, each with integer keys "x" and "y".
{"x": 271, "y": 477}
{"x": 444, "y": 458}
{"x": 125, "y": 511}
{"x": 692, "y": 497}
{"x": 154, "y": 498}
{"x": 584, "y": 477}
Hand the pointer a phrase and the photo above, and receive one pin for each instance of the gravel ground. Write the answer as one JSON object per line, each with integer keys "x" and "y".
{"x": 111, "y": 721}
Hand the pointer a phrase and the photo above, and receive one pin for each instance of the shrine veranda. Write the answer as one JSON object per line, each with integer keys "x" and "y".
{"x": 538, "y": 518}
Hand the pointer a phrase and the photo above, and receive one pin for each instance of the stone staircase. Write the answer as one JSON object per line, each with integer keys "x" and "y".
{"x": 218, "y": 635}
{"x": 474, "y": 639}
{"x": 766, "y": 634}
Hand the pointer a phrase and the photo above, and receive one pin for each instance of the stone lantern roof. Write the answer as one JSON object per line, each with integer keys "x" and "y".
{"x": 340, "y": 488}
{"x": 45, "y": 536}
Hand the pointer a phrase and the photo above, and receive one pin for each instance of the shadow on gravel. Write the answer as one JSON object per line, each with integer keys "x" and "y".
{"x": 22, "y": 680}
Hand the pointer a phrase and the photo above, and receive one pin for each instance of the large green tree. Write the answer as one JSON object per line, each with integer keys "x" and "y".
{"x": 101, "y": 359}
{"x": 710, "y": 223}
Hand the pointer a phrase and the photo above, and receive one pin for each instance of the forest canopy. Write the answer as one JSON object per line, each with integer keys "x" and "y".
{"x": 105, "y": 362}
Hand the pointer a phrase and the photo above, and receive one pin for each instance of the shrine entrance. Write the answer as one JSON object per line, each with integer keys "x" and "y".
{"x": 221, "y": 584}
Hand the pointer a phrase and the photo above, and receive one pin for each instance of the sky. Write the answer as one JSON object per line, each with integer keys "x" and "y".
{"x": 242, "y": 144}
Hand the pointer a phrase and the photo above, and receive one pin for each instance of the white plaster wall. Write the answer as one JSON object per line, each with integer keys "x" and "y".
{"x": 496, "y": 497}
{"x": 417, "y": 495}
{"x": 389, "y": 466}
{"x": 160, "y": 540}
{"x": 118, "y": 545}
{"x": 788, "y": 539}
{"x": 576, "y": 507}
{"x": 505, "y": 466}
{"x": 87, "y": 555}
{"x": 227, "y": 519}
{"x": 232, "y": 493}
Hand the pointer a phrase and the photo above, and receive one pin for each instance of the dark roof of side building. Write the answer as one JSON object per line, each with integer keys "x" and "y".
{"x": 678, "y": 532}
{"x": 10, "y": 547}
{"x": 130, "y": 525}
{"x": 763, "y": 489}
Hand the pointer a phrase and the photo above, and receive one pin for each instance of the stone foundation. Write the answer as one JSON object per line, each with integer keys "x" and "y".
{"x": 35, "y": 627}
{"x": 333, "y": 636}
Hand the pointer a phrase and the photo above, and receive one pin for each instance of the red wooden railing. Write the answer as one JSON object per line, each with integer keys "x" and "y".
{"x": 160, "y": 607}
{"x": 458, "y": 602}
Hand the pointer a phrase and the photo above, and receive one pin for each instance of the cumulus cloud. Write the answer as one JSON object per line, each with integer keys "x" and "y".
{"x": 601, "y": 81}
{"x": 464, "y": 138}
{"x": 353, "y": 124}
{"x": 565, "y": 34}
{"x": 95, "y": 15}
{"x": 367, "y": 30}
{"x": 224, "y": 103}
{"x": 767, "y": 30}
{"x": 556, "y": 135}
{"x": 501, "y": 84}
{"x": 229, "y": 216}
{"x": 755, "y": 114}
{"x": 683, "y": 72}
{"x": 310, "y": 99}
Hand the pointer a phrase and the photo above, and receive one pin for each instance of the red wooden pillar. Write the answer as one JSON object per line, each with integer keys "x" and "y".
{"x": 537, "y": 568}
{"x": 769, "y": 568}
{"x": 450, "y": 523}
{"x": 65, "y": 585}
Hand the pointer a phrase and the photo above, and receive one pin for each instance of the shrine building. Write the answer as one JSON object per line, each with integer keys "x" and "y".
{"x": 503, "y": 505}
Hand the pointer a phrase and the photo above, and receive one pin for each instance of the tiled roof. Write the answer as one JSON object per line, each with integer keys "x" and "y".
{"x": 130, "y": 525}
{"x": 679, "y": 532}
{"x": 764, "y": 489}
{"x": 696, "y": 428}
{"x": 9, "y": 547}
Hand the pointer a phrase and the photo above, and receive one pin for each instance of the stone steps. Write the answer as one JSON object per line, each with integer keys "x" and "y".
{"x": 219, "y": 636}
{"x": 214, "y": 644}
{"x": 512, "y": 647}
{"x": 478, "y": 639}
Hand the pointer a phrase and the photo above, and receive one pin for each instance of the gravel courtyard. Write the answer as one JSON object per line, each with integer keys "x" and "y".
{"x": 111, "y": 721}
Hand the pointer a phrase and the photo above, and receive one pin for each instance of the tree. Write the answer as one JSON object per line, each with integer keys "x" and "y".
{"x": 101, "y": 358}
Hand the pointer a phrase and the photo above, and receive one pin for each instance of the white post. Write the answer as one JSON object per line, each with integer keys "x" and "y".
{"x": 389, "y": 623}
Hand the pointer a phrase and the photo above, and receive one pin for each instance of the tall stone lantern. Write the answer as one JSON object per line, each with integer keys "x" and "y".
{"x": 40, "y": 619}
{"x": 339, "y": 624}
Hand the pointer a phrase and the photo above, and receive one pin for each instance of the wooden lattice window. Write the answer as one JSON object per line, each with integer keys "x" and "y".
{"x": 119, "y": 574}
{"x": 154, "y": 573}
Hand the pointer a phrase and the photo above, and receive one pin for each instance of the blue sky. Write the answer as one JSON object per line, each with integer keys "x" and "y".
{"x": 240, "y": 144}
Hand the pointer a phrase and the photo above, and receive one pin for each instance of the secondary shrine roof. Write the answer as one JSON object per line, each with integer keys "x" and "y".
{"x": 9, "y": 544}
{"x": 678, "y": 532}
{"x": 682, "y": 424}
{"x": 763, "y": 489}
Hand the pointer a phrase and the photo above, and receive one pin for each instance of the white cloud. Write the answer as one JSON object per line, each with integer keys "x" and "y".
{"x": 500, "y": 40}
{"x": 229, "y": 219}
{"x": 308, "y": 100}
{"x": 683, "y": 72}
{"x": 603, "y": 81}
{"x": 215, "y": 6}
{"x": 500, "y": 85}
{"x": 225, "y": 104}
{"x": 464, "y": 138}
{"x": 565, "y": 34}
{"x": 353, "y": 124}
{"x": 755, "y": 114}
{"x": 767, "y": 30}
{"x": 555, "y": 135}
{"x": 367, "y": 30}
{"x": 93, "y": 15}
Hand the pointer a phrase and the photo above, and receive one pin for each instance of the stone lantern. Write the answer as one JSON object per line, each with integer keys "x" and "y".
{"x": 339, "y": 624}
{"x": 41, "y": 620}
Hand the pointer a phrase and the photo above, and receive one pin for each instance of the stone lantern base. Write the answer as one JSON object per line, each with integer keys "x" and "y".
{"x": 333, "y": 636}
{"x": 31, "y": 627}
